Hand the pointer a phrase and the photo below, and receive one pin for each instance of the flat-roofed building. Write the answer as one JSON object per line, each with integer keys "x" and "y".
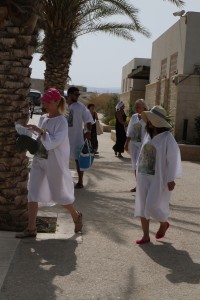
{"x": 175, "y": 74}
{"x": 135, "y": 76}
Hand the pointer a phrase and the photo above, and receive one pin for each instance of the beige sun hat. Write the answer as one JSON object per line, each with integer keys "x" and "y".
{"x": 157, "y": 117}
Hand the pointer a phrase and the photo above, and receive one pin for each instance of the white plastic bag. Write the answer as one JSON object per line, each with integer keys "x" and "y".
{"x": 99, "y": 128}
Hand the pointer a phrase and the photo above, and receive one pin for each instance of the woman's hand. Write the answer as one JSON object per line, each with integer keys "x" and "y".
{"x": 35, "y": 128}
{"x": 171, "y": 185}
{"x": 126, "y": 145}
{"x": 87, "y": 136}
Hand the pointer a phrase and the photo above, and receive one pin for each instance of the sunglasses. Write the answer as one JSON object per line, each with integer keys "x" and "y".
{"x": 76, "y": 94}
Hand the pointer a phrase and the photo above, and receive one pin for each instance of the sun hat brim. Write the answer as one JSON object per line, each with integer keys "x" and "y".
{"x": 155, "y": 120}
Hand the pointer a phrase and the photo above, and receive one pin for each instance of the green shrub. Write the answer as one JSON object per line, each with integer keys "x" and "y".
{"x": 100, "y": 101}
{"x": 112, "y": 122}
{"x": 109, "y": 111}
{"x": 128, "y": 119}
{"x": 106, "y": 120}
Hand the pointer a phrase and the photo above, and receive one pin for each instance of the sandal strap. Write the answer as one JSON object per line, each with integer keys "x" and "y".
{"x": 79, "y": 219}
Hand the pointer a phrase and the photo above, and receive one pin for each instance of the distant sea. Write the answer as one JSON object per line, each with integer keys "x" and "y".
{"x": 104, "y": 90}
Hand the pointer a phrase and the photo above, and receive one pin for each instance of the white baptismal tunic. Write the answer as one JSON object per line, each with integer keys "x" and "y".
{"x": 159, "y": 162}
{"x": 78, "y": 116}
{"x": 50, "y": 179}
{"x": 136, "y": 131}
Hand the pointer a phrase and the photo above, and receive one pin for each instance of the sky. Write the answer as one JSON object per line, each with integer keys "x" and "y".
{"x": 99, "y": 58}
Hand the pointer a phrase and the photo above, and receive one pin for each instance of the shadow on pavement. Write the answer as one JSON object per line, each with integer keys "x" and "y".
{"x": 179, "y": 263}
{"x": 104, "y": 212}
{"x": 36, "y": 266}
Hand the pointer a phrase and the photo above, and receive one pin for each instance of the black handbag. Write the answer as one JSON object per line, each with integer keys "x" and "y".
{"x": 26, "y": 143}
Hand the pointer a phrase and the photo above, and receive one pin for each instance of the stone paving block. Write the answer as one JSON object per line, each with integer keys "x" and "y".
{"x": 47, "y": 214}
{"x": 45, "y": 236}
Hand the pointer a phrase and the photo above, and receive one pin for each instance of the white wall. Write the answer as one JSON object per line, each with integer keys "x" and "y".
{"x": 127, "y": 83}
{"x": 183, "y": 37}
{"x": 192, "y": 53}
{"x": 170, "y": 42}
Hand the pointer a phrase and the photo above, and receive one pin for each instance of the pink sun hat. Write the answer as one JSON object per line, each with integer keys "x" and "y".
{"x": 51, "y": 94}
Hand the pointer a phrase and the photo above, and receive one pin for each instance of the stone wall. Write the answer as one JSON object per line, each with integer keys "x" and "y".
{"x": 157, "y": 93}
{"x": 182, "y": 101}
{"x": 150, "y": 95}
{"x": 188, "y": 152}
{"x": 188, "y": 106}
{"x": 131, "y": 96}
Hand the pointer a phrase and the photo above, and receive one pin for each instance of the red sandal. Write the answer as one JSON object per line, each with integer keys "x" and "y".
{"x": 141, "y": 242}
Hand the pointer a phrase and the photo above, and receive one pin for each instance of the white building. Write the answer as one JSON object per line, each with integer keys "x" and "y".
{"x": 175, "y": 74}
{"x": 135, "y": 76}
{"x": 174, "y": 79}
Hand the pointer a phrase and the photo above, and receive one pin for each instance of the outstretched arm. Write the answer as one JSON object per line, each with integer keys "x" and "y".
{"x": 87, "y": 134}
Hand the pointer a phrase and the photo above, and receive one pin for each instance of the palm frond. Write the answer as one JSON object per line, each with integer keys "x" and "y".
{"x": 64, "y": 20}
{"x": 178, "y": 3}
{"x": 121, "y": 30}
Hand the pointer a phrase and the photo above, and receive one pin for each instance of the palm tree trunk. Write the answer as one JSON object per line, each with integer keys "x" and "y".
{"x": 58, "y": 52}
{"x": 17, "y": 44}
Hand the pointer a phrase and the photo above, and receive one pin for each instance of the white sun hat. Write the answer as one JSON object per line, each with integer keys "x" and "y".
{"x": 157, "y": 117}
{"x": 119, "y": 105}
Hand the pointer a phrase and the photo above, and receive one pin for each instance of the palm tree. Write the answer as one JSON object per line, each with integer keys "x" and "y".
{"x": 17, "y": 43}
{"x": 63, "y": 21}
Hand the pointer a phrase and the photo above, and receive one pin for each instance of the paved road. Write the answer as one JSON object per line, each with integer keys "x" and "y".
{"x": 105, "y": 263}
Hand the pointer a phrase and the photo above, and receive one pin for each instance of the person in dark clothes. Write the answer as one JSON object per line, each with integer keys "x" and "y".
{"x": 120, "y": 126}
{"x": 94, "y": 140}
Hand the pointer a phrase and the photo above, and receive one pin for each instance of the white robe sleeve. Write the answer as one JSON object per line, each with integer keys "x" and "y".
{"x": 144, "y": 132}
{"x": 174, "y": 167}
{"x": 87, "y": 117}
{"x": 52, "y": 141}
{"x": 129, "y": 132}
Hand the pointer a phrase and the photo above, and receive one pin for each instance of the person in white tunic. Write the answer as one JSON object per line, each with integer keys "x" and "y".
{"x": 135, "y": 134}
{"x": 159, "y": 164}
{"x": 79, "y": 118}
{"x": 50, "y": 178}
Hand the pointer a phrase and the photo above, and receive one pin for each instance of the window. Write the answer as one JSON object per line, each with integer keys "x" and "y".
{"x": 173, "y": 64}
{"x": 163, "y": 71}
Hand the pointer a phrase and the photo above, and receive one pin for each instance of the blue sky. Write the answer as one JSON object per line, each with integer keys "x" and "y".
{"x": 99, "y": 58}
